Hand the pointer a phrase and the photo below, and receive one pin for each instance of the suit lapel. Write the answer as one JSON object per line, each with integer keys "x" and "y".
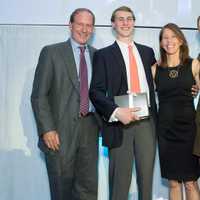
{"x": 119, "y": 59}
{"x": 91, "y": 52}
{"x": 68, "y": 57}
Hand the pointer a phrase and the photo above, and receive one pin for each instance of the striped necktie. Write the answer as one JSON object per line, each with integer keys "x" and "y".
{"x": 83, "y": 75}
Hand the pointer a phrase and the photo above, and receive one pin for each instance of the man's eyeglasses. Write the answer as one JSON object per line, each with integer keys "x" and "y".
{"x": 123, "y": 19}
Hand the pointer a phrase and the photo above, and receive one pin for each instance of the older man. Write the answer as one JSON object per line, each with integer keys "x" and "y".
{"x": 65, "y": 117}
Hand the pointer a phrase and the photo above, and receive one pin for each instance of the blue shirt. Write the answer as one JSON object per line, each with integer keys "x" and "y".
{"x": 76, "y": 52}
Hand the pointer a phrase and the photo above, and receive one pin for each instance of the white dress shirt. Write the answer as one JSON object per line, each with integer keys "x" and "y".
{"x": 141, "y": 73}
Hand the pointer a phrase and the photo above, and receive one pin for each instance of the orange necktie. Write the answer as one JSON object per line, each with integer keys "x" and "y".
{"x": 134, "y": 78}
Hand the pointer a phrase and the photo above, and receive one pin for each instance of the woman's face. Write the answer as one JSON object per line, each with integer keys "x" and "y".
{"x": 170, "y": 42}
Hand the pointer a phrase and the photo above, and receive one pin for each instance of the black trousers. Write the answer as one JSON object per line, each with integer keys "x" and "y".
{"x": 73, "y": 174}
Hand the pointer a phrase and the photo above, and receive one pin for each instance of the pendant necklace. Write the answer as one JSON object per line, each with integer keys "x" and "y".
{"x": 173, "y": 73}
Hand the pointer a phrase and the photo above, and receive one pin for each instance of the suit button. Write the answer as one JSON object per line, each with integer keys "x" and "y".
{"x": 75, "y": 119}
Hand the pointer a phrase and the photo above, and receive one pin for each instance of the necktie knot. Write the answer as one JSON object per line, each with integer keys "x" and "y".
{"x": 82, "y": 49}
{"x": 130, "y": 47}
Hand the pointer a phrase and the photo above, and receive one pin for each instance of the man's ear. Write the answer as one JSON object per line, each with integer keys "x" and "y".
{"x": 113, "y": 25}
{"x": 70, "y": 25}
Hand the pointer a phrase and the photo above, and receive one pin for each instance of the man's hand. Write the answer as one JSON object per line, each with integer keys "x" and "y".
{"x": 51, "y": 139}
{"x": 127, "y": 115}
{"x": 194, "y": 90}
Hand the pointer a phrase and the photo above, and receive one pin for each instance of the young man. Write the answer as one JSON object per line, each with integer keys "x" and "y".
{"x": 126, "y": 136}
{"x": 67, "y": 128}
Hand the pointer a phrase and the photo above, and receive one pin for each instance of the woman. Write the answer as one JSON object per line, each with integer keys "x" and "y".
{"x": 174, "y": 76}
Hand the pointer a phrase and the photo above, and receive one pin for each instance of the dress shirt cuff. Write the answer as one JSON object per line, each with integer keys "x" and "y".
{"x": 113, "y": 117}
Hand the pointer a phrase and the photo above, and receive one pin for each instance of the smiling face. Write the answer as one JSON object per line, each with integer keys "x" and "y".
{"x": 170, "y": 42}
{"x": 82, "y": 27}
{"x": 123, "y": 24}
{"x": 173, "y": 44}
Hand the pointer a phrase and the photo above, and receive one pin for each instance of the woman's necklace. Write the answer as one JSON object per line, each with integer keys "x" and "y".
{"x": 173, "y": 73}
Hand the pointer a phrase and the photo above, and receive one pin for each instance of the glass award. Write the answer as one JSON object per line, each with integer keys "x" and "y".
{"x": 134, "y": 100}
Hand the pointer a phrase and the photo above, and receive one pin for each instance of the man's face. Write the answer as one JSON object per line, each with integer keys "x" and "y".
{"x": 123, "y": 24}
{"x": 82, "y": 27}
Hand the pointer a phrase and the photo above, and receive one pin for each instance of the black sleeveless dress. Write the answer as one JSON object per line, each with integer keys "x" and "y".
{"x": 176, "y": 123}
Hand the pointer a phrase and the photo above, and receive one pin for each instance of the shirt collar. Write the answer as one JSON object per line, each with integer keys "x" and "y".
{"x": 123, "y": 44}
{"x": 76, "y": 45}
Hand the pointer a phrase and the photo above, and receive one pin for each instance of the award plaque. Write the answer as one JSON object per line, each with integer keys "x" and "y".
{"x": 134, "y": 100}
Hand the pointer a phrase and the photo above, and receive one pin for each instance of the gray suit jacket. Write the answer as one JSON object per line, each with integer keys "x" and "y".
{"x": 55, "y": 95}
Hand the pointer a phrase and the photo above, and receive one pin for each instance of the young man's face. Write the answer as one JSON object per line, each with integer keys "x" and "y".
{"x": 82, "y": 27}
{"x": 123, "y": 24}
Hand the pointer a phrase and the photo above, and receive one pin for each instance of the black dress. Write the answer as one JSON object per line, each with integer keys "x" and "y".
{"x": 176, "y": 123}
